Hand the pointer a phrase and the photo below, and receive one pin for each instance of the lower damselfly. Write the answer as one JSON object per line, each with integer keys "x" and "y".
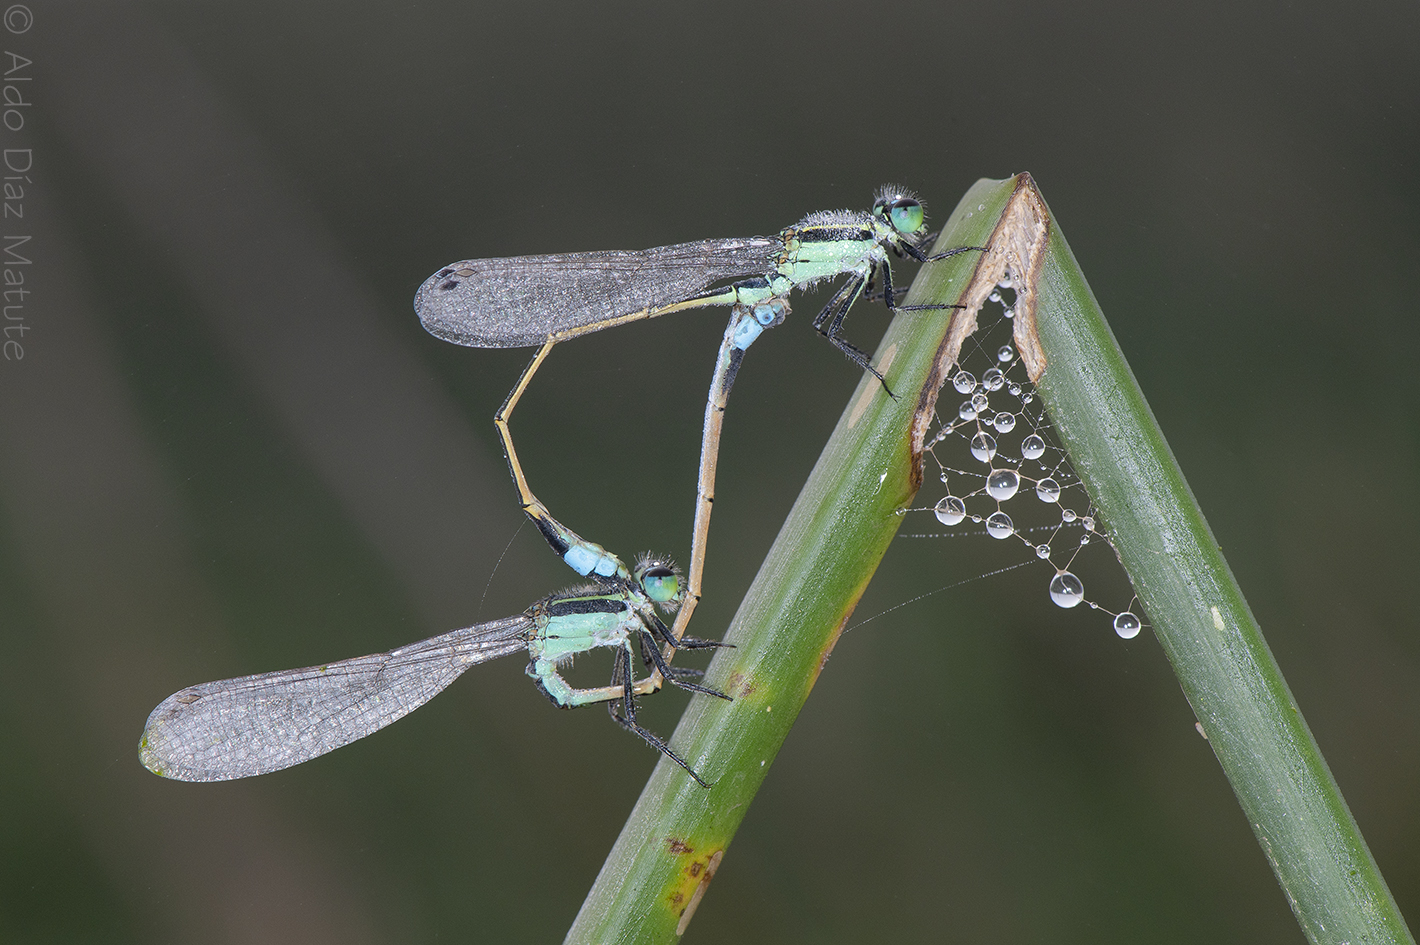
{"x": 237, "y": 728}
{"x": 543, "y": 300}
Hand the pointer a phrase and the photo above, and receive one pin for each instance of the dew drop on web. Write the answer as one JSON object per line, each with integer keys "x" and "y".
{"x": 1002, "y": 484}
{"x": 1127, "y": 625}
{"x": 950, "y": 510}
{"x": 1066, "y": 589}
{"x": 983, "y": 447}
{"x": 999, "y": 525}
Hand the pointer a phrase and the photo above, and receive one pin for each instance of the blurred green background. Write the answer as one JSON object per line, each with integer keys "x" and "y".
{"x": 231, "y": 448}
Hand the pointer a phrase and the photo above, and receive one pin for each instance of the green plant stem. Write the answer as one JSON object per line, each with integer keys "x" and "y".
{"x": 828, "y": 549}
{"x": 1198, "y": 614}
{"x": 848, "y": 512}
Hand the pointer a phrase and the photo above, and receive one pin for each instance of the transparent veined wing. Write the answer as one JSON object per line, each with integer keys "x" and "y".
{"x": 236, "y": 728}
{"x": 518, "y": 301}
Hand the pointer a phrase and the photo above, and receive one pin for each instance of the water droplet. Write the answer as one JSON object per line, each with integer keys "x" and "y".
{"x": 967, "y": 410}
{"x": 1005, "y": 353}
{"x": 1089, "y": 522}
{"x": 1027, "y": 397}
{"x": 1015, "y": 390}
{"x": 1004, "y": 422}
{"x": 1127, "y": 625}
{"x": 1042, "y": 551}
{"x": 950, "y": 510}
{"x": 1009, "y": 313}
{"x": 1067, "y": 515}
{"x": 964, "y": 382}
{"x": 1032, "y": 447}
{"x": 993, "y": 379}
{"x": 1002, "y": 484}
{"x": 999, "y": 525}
{"x": 1048, "y": 490}
{"x": 1005, "y": 283}
{"x": 983, "y": 447}
{"x": 1066, "y": 589}
{"x": 994, "y": 296}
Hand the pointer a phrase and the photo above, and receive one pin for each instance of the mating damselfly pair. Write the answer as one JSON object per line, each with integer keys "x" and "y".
{"x": 256, "y": 724}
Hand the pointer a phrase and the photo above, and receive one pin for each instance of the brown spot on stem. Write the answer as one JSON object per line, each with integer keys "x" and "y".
{"x": 709, "y": 868}
{"x": 739, "y": 685}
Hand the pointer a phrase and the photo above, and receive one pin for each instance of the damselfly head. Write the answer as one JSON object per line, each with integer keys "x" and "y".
{"x": 660, "y": 579}
{"x": 901, "y": 209}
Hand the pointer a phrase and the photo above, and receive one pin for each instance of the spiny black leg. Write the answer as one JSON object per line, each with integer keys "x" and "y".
{"x": 829, "y": 323}
{"x": 621, "y": 675}
{"x": 628, "y": 719}
{"x": 854, "y": 288}
{"x": 695, "y": 643}
{"x": 684, "y": 643}
{"x": 650, "y": 649}
{"x": 952, "y": 252}
{"x": 874, "y": 296}
{"x": 889, "y": 295}
{"x": 686, "y": 672}
{"x": 834, "y": 332}
{"x": 663, "y": 632}
{"x": 827, "y": 313}
{"x": 920, "y": 256}
{"x": 924, "y": 308}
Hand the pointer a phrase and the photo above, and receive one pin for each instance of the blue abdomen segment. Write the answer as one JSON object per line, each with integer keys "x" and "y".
{"x": 588, "y": 559}
{"x": 584, "y": 557}
{"x": 765, "y": 314}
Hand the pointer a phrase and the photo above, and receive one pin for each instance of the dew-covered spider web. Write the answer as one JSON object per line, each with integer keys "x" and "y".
{"x": 1003, "y": 475}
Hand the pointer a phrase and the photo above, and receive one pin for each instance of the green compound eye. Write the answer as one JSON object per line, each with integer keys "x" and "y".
{"x": 660, "y": 583}
{"x": 905, "y": 214}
